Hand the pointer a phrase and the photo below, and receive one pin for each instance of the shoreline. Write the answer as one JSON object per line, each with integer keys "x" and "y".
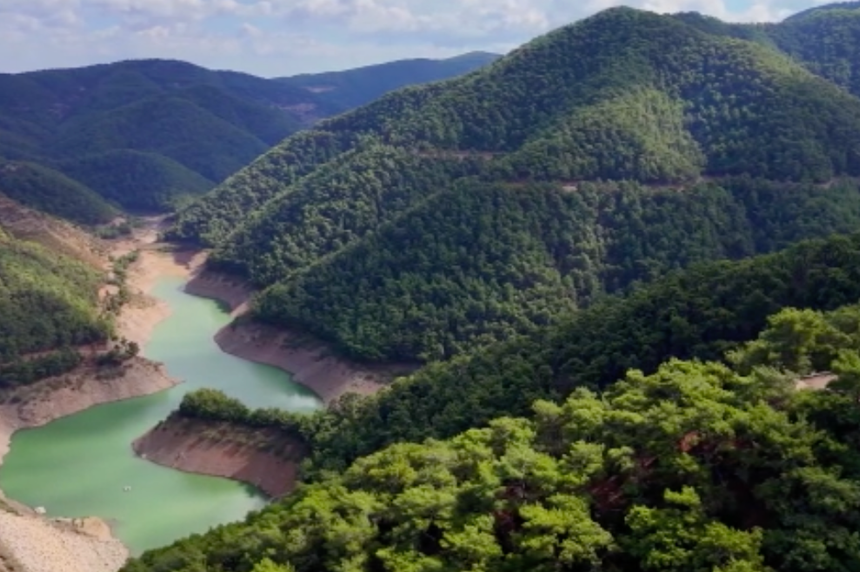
{"x": 308, "y": 361}
{"x": 29, "y": 541}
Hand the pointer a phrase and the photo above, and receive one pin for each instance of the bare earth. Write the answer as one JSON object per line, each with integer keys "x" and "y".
{"x": 309, "y": 361}
{"x": 268, "y": 460}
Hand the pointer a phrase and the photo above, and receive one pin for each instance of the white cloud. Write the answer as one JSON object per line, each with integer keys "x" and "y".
{"x": 279, "y": 37}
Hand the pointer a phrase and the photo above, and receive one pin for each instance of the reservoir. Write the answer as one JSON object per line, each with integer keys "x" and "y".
{"x": 78, "y": 465}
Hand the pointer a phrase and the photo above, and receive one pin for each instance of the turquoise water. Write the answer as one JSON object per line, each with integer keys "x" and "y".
{"x": 78, "y": 465}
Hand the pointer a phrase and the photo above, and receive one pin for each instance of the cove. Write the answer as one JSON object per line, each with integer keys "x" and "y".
{"x": 78, "y": 465}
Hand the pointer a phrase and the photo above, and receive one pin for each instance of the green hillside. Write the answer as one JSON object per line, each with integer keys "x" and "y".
{"x": 196, "y": 126}
{"x": 446, "y": 216}
{"x": 700, "y": 312}
{"x": 347, "y": 89}
{"x": 827, "y": 40}
{"x": 50, "y": 191}
{"x": 482, "y": 262}
{"x": 170, "y": 126}
{"x": 554, "y": 234}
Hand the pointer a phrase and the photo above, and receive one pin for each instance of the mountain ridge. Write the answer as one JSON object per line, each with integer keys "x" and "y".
{"x": 659, "y": 106}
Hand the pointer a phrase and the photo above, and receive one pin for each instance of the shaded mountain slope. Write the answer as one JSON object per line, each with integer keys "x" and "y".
{"x": 137, "y": 180}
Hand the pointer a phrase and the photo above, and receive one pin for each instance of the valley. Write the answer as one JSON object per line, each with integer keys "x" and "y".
{"x": 590, "y": 305}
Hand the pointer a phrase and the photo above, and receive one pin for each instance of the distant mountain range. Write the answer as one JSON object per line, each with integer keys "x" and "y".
{"x": 355, "y": 87}
{"x": 148, "y": 134}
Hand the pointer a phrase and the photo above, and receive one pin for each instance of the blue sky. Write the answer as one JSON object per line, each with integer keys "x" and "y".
{"x": 284, "y": 37}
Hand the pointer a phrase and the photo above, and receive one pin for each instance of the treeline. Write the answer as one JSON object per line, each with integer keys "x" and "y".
{"x": 48, "y": 303}
{"x": 696, "y": 466}
{"x": 477, "y": 262}
{"x": 214, "y": 405}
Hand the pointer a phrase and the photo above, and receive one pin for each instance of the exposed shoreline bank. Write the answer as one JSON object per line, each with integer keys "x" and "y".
{"x": 266, "y": 459}
{"x": 310, "y": 362}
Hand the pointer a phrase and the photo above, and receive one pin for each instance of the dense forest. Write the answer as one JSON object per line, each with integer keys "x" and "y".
{"x": 51, "y": 192}
{"x": 482, "y": 262}
{"x": 49, "y": 306}
{"x": 444, "y": 217}
{"x": 600, "y": 245}
{"x": 696, "y": 466}
{"x": 655, "y": 99}
{"x": 149, "y": 135}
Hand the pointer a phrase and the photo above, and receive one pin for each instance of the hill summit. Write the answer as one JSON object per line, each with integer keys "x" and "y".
{"x": 463, "y": 211}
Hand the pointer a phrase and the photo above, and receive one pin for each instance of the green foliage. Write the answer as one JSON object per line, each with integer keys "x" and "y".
{"x": 169, "y": 125}
{"x": 476, "y": 262}
{"x": 344, "y": 90}
{"x": 48, "y": 303}
{"x": 694, "y": 467}
{"x": 640, "y": 135}
{"x": 655, "y": 98}
{"x": 213, "y": 217}
{"x": 412, "y": 228}
{"x": 333, "y": 207}
{"x": 50, "y": 191}
{"x": 137, "y": 180}
{"x": 25, "y": 371}
{"x": 144, "y": 134}
{"x": 826, "y": 40}
{"x": 215, "y": 405}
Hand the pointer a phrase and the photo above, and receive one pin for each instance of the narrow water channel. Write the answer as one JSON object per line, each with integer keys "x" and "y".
{"x": 78, "y": 465}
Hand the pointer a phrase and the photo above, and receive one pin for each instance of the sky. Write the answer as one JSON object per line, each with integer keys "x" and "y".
{"x": 274, "y": 38}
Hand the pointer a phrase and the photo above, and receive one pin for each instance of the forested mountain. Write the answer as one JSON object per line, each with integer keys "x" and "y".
{"x": 351, "y": 88}
{"x": 194, "y": 125}
{"x": 52, "y": 192}
{"x": 697, "y": 466}
{"x": 446, "y": 216}
{"x": 697, "y": 313}
{"x": 148, "y": 134}
{"x": 825, "y": 39}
